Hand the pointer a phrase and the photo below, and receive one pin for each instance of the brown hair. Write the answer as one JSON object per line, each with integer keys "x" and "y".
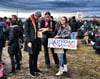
{"x": 48, "y": 13}
{"x": 15, "y": 17}
{"x": 66, "y": 21}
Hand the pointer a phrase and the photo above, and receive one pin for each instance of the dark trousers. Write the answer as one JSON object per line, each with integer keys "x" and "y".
{"x": 20, "y": 55}
{"x": 44, "y": 41}
{"x": 47, "y": 60}
{"x": 14, "y": 57}
{"x": 33, "y": 58}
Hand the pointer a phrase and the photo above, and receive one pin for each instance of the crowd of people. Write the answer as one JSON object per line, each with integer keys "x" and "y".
{"x": 89, "y": 32}
{"x": 13, "y": 31}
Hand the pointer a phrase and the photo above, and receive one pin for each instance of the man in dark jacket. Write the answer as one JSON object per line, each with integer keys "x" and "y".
{"x": 48, "y": 32}
{"x": 33, "y": 42}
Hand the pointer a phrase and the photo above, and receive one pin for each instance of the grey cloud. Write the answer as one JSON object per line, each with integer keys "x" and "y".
{"x": 52, "y": 5}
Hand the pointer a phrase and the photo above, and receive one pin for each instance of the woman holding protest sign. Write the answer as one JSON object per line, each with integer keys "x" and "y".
{"x": 63, "y": 33}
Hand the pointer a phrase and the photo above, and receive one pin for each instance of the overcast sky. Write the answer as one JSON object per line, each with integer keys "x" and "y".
{"x": 86, "y": 6}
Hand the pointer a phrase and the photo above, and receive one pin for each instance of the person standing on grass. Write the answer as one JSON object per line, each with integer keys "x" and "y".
{"x": 33, "y": 42}
{"x": 63, "y": 33}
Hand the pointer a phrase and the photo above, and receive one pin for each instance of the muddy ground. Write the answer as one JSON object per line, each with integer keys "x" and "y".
{"x": 83, "y": 63}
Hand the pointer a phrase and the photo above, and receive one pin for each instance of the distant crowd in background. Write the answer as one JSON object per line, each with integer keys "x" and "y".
{"x": 17, "y": 32}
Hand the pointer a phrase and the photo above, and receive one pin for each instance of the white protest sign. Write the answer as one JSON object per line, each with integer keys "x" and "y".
{"x": 62, "y": 43}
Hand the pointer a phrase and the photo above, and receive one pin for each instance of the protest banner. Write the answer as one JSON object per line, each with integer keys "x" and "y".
{"x": 62, "y": 43}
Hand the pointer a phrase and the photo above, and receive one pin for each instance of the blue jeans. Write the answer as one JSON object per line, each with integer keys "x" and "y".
{"x": 0, "y": 54}
{"x": 73, "y": 35}
{"x": 62, "y": 59}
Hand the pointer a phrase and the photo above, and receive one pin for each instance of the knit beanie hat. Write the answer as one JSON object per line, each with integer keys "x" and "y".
{"x": 38, "y": 14}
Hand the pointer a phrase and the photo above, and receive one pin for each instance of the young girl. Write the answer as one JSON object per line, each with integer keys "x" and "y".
{"x": 63, "y": 33}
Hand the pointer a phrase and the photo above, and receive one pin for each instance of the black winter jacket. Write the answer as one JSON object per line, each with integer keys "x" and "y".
{"x": 13, "y": 43}
{"x": 30, "y": 36}
{"x": 54, "y": 28}
{"x": 73, "y": 25}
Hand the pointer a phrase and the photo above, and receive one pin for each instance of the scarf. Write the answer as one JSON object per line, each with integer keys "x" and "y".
{"x": 46, "y": 23}
{"x": 6, "y": 25}
{"x": 34, "y": 25}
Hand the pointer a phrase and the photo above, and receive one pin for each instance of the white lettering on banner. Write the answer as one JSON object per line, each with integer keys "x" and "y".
{"x": 62, "y": 43}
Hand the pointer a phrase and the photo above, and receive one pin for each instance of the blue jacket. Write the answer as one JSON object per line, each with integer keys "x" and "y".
{"x": 2, "y": 34}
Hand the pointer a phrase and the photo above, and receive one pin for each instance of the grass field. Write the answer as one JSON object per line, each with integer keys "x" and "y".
{"x": 83, "y": 63}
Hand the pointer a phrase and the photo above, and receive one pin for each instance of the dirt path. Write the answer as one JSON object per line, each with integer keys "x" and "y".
{"x": 24, "y": 72}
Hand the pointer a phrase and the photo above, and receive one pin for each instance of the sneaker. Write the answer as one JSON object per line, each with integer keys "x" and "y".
{"x": 12, "y": 71}
{"x": 32, "y": 74}
{"x": 60, "y": 72}
{"x": 65, "y": 69}
{"x": 18, "y": 68}
{"x": 38, "y": 71}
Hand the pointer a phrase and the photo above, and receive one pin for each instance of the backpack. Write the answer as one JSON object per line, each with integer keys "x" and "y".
{"x": 2, "y": 72}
